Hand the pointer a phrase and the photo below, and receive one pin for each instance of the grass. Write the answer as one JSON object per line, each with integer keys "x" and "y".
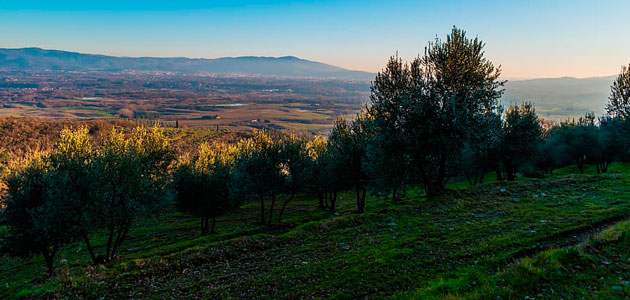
{"x": 597, "y": 268}
{"x": 162, "y": 235}
{"x": 479, "y": 243}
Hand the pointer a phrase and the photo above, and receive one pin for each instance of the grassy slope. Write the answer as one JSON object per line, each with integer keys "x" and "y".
{"x": 597, "y": 268}
{"x": 464, "y": 243}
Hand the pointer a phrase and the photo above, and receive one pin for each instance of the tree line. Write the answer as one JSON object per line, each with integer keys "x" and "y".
{"x": 440, "y": 117}
{"x": 428, "y": 121}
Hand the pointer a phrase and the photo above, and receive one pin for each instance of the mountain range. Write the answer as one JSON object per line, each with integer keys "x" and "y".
{"x": 559, "y": 98}
{"x": 40, "y": 59}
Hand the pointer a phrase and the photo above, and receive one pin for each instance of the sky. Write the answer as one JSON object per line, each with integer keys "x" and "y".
{"x": 529, "y": 39}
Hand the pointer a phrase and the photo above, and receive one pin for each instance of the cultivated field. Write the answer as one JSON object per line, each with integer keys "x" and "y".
{"x": 238, "y": 103}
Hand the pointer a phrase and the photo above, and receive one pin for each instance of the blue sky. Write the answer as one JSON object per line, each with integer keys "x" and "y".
{"x": 528, "y": 38}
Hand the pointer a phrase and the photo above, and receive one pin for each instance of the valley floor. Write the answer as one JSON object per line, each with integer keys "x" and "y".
{"x": 565, "y": 237}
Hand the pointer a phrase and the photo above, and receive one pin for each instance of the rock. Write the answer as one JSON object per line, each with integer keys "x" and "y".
{"x": 515, "y": 200}
{"x": 617, "y": 288}
{"x": 391, "y": 224}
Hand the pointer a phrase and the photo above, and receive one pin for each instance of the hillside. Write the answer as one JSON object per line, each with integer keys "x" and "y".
{"x": 471, "y": 243}
{"x": 36, "y": 59}
{"x": 559, "y": 98}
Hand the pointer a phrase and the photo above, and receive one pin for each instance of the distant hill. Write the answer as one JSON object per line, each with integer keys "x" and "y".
{"x": 559, "y": 98}
{"x": 40, "y": 59}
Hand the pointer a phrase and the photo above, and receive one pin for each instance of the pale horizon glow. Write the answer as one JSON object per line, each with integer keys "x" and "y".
{"x": 529, "y": 39}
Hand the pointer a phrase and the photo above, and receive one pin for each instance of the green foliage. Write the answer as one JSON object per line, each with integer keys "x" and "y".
{"x": 38, "y": 221}
{"x": 521, "y": 136}
{"x": 130, "y": 175}
{"x": 270, "y": 165}
{"x": 615, "y": 139}
{"x": 619, "y": 99}
{"x": 584, "y": 141}
{"x": 76, "y": 190}
{"x": 483, "y": 153}
{"x": 72, "y": 180}
{"x": 346, "y": 149}
{"x": 435, "y": 104}
{"x": 323, "y": 181}
{"x": 550, "y": 155}
{"x": 259, "y": 171}
{"x": 296, "y": 163}
{"x": 577, "y": 141}
{"x": 297, "y": 167}
{"x": 202, "y": 183}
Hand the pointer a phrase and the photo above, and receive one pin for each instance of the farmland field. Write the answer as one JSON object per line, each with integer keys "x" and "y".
{"x": 237, "y": 103}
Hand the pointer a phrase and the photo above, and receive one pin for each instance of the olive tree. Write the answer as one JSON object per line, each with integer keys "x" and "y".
{"x": 385, "y": 161}
{"x": 129, "y": 180}
{"x": 202, "y": 183}
{"x": 435, "y": 103}
{"x": 482, "y": 153}
{"x": 321, "y": 180}
{"x": 619, "y": 99}
{"x": 296, "y": 167}
{"x": 521, "y": 138}
{"x": 579, "y": 140}
{"x": 550, "y": 154}
{"x": 347, "y": 150}
{"x": 71, "y": 171}
{"x": 612, "y": 143}
{"x": 387, "y": 139}
{"x": 259, "y": 171}
{"x": 38, "y": 222}
{"x": 49, "y": 196}
{"x": 615, "y": 135}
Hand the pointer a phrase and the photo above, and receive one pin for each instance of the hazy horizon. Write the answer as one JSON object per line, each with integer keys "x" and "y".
{"x": 529, "y": 39}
